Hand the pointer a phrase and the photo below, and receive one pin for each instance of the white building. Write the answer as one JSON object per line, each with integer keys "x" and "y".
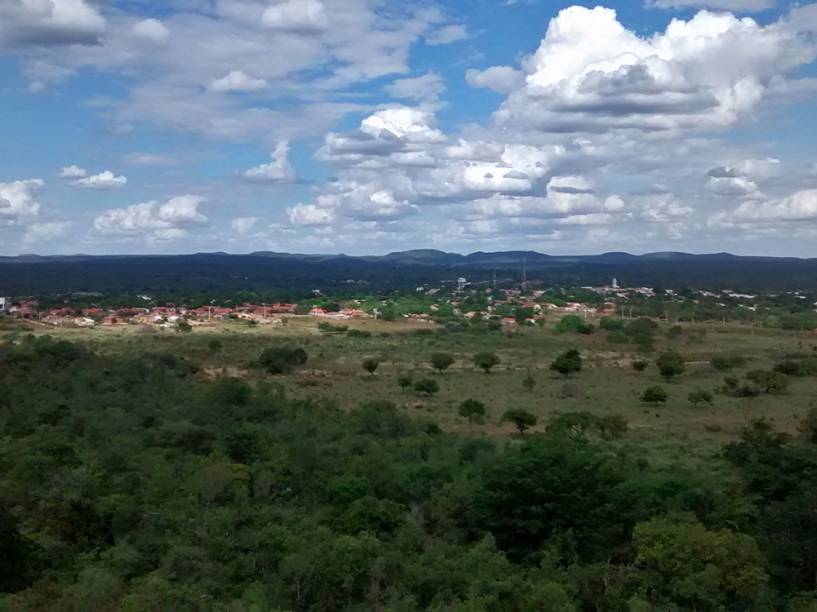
{"x": 461, "y": 284}
{"x": 3, "y": 305}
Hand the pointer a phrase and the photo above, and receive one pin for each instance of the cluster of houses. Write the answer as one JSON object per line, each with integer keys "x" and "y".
{"x": 170, "y": 315}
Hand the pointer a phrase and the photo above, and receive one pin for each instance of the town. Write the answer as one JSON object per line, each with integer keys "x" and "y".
{"x": 523, "y": 304}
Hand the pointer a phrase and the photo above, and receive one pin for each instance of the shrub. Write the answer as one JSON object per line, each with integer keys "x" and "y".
{"x": 571, "y": 391}
{"x": 472, "y": 410}
{"x": 618, "y": 338}
{"x": 214, "y": 345}
{"x": 670, "y": 364}
{"x": 426, "y": 386}
{"x": 640, "y": 365}
{"x": 573, "y": 324}
{"x": 701, "y": 396}
{"x": 370, "y": 365}
{"x": 654, "y": 395}
{"x": 358, "y": 333}
{"x": 724, "y": 363}
{"x": 769, "y": 380}
{"x": 567, "y": 363}
{"x": 441, "y": 361}
{"x": 405, "y": 381}
{"x": 611, "y": 325}
{"x": 486, "y": 361}
{"x": 529, "y": 382}
{"x": 281, "y": 360}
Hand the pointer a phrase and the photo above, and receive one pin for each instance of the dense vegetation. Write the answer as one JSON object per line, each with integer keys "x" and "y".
{"x": 139, "y": 482}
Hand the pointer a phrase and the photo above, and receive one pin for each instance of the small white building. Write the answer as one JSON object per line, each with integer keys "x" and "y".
{"x": 3, "y": 303}
{"x": 461, "y": 284}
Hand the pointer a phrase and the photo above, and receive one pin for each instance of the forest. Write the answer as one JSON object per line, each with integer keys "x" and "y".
{"x": 137, "y": 480}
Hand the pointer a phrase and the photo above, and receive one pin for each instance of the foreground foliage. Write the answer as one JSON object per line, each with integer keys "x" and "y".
{"x": 138, "y": 483}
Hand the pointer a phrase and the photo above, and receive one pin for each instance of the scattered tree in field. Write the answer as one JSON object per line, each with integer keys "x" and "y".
{"x": 522, "y": 419}
{"x": 769, "y": 380}
{"x": 184, "y": 327}
{"x": 699, "y": 397}
{"x": 370, "y": 365}
{"x": 405, "y": 381}
{"x": 473, "y": 410}
{"x": 654, "y": 395}
{"x": 214, "y": 345}
{"x": 675, "y": 332}
{"x": 640, "y": 365}
{"x": 426, "y": 386}
{"x": 567, "y": 363}
{"x": 670, "y": 364}
{"x": 486, "y": 361}
{"x": 441, "y": 361}
{"x": 529, "y": 383}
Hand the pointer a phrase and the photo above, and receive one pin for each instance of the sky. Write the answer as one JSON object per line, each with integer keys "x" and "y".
{"x": 372, "y": 126}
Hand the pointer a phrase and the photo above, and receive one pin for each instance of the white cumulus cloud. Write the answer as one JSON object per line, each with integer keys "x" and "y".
{"x": 103, "y": 180}
{"x": 279, "y": 170}
{"x": 296, "y": 15}
{"x": 18, "y": 200}
{"x": 237, "y": 80}
{"x": 49, "y": 22}
{"x": 166, "y": 221}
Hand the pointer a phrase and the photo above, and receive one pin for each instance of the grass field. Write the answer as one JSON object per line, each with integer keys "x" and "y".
{"x": 607, "y": 384}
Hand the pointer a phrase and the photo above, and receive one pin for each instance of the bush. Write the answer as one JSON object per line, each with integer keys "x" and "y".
{"x": 426, "y": 386}
{"x": 571, "y": 391}
{"x": 567, "y": 363}
{"x": 654, "y": 395}
{"x": 769, "y": 380}
{"x": 573, "y": 324}
{"x": 358, "y": 333}
{"x": 441, "y": 361}
{"x": 724, "y": 363}
{"x": 701, "y": 396}
{"x": 472, "y": 410}
{"x": 214, "y": 345}
{"x": 670, "y": 364}
{"x": 282, "y": 360}
{"x": 405, "y": 381}
{"x": 370, "y": 365}
{"x": 640, "y": 365}
{"x": 486, "y": 361}
{"x": 618, "y": 338}
{"x": 611, "y": 325}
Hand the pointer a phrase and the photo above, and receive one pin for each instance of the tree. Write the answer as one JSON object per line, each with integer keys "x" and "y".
{"x": 700, "y": 396}
{"x": 472, "y": 410}
{"x": 486, "y": 361}
{"x": 441, "y": 361}
{"x": 670, "y": 364}
{"x": 214, "y": 345}
{"x": 640, "y": 365}
{"x": 654, "y": 395}
{"x": 522, "y": 419}
{"x": 370, "y": 365}
{"x": 426, "y": 386}
{"x": 682, "y": 563}
{"x": 184, "y": 327}
{"x": 529, "y": 383}
{"x": 769, "y": 380}
{"x": 567, "y": 363}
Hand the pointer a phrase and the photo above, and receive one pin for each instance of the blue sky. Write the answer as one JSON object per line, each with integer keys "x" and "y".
{"x": 367, "y": 126}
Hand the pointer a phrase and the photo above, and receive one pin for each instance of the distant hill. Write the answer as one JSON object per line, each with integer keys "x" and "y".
{"x": 298, "y": 274}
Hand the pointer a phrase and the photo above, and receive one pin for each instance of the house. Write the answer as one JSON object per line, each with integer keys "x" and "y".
{"x": 317, "y": 312}
{"x": 3, "y": 304}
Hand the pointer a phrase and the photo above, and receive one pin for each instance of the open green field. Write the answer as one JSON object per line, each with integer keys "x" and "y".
{"x": 606, "y": 385}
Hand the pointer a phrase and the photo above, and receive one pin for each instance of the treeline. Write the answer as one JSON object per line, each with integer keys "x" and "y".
{"x": 138, "y": 483}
